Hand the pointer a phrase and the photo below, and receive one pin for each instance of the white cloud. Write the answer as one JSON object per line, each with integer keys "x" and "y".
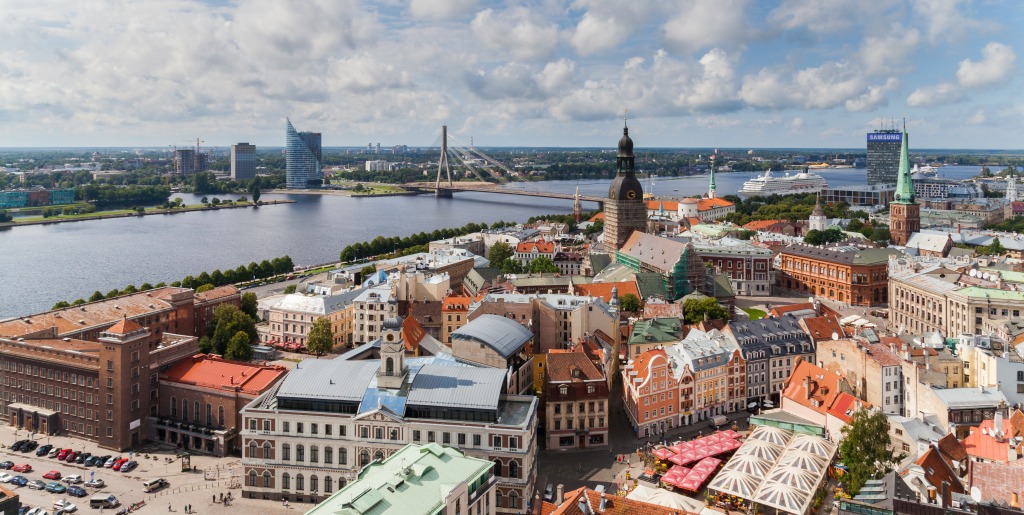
{"x": 996, "y": 64}
{"x": 715, "y": 88}
{"x": 939, "y": 94}
{"x": 813, "y": 15}
{"x": 518, "y": 32}
{"x": 704, "y": 24}
{"x": 946, "y": 20}
{"x": 557, "y": 75}
{"x": 364, "y": 73}
{"x": 874, "y": 97}
{"x": 829, "y": 85}
{"x": 605, "y": 24}
{"x": 441, "y": 9}
{"x": 889, "y": 52}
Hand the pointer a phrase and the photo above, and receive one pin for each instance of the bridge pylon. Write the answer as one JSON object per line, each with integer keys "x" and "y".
{"x": 442, "y": 164}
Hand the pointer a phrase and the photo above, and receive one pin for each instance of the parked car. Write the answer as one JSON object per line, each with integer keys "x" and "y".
{"x": 53, "y": 474}
{"x": 19, "y": 480}
{"x": 17, "y": 445}
{"x": 36, "y": 484}
{"x": 77, "y": 491}
{"x": 55, "y": 452}
{"x": 63, "y": 454}
{"x": 70, "y": 458}
{"x": 119, "y": 463}
{"x": 56, "y": 487}
{"x": 22, "y": 467}
{"x": 102, "y": 459}
{"x": 82, "y": 457}
{"x": 30, "y": 446}
{"x": 130, "y": 466}
{"x": 36, "y": 511}
{"x": 5, "y": 477}
{"x": 73, "y": 479}
{"x": 67, "y": 506}
{"x": 95, "y": 483}
{"x": 6, "y": 465}
{"x": 22, "y": 510}
{"x": 110, "y": 462}
{"x": 44, "y": 450}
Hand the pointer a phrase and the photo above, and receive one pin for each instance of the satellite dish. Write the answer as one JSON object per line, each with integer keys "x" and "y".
{"x": 810, "y": 299}
{"x": 835, "y": 336}
{"x": 976, "y": 494}
{"x": 973, "y": 273}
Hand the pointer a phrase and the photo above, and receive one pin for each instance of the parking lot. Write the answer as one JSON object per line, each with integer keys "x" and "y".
{"x": 212, "y": 477}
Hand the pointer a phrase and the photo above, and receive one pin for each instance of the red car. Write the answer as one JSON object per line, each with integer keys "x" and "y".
{"x": 119, "y": 463}
{"x": 24, "y": 467}
{"x": 53, "y": 474}
{"x": 63, "y": 454}
{"x": 70, "y": 458}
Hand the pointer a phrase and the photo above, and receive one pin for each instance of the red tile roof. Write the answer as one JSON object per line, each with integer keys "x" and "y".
{"x": 644, "y": 361}
{"x": 124, "y": 326}
{"x": 997, "y": 481}
{"x": 214, "y": 372}
{"x": 604, "y": 290}
{"x": 614, "y": 505}
{"x": 826, "y": 394}
{"x": 542, "y": 247}
{"x": 598, "y": 216}
{"x": 670, "y": 205}
{"x": 663, "y": 310}
{"x": 412, "y": 333}
{"x": 707, "y": 204}
{"x": 937, "y": 471}
{"x": 560, "y": 367}
{"x": 952, "y": 449}
{"x": 217, "y": 293}
{"x": 456, "y": 303}
{"x": 981, "y": 444}
{"x": 760, "y": 225}
{"x": 823, "y": 327}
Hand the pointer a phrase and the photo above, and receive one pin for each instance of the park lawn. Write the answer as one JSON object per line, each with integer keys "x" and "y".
{"x": 754, "y": 314}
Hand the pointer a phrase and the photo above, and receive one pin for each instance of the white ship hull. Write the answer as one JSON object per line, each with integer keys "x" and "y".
{"x": 767, "y": 184}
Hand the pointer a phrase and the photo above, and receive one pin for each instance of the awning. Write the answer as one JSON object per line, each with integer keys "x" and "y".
{"x": 30, "y": 408}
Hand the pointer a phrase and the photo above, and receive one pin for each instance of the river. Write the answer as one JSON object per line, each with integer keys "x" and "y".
{"x": 43, "y": 264}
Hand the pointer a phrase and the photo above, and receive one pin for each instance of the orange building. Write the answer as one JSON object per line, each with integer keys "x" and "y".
{"x": 856, "y": 276}
{"x": 650, "y": 394}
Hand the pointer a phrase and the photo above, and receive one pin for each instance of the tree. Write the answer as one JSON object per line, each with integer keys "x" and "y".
{"x": 289, "y": 289}
{"x": 204, "y": 200}
{"x": 205, "y": 287}
{"x": 96, "y": 295}
{"x": 250, "y": 304}
{"x": 205, "y": 345}
{"x": 367, "y": 271}
{"x": 542, "y": 264}
{"x": 5, "y": 216}
{"x": 239, "y": 348}
{"x": 881, "y": 235}
{"x": 227, "y": 321}
{"x": 254, "y": 190}
{"x": 630, "y": 303}
{"x": 995, "y": 248}
{"x": 61, "y": 304}
{"x": 695, "y": 309}
{"x": 594, "y": 228}
{"x": 865, "y": 449}
{"x": 321, "y": 338}
{"x": 832, "y": 235}
{"x": 500, "y": 252}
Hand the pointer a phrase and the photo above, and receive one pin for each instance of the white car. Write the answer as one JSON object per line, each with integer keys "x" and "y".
{"x": 67, "y": 506}
{"x": 37, "y": 511}
{"x": 73, "y": 479}
{"x": 95, "y": 483}
{"x": 5, "y": 477}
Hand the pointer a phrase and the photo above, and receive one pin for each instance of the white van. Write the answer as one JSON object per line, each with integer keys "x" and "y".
{"x": 154, "y": 484}
{"x": 103, "y": 501}
{"x": 718, "y": 421}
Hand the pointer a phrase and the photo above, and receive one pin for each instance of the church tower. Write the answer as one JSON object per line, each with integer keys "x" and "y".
{"x": 904, "y": 213}
{"x": 818, "y": 221}
{"x": 624, "y": 210}
{"x": 711, "y": 187}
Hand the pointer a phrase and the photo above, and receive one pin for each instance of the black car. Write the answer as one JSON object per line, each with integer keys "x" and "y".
{"x": 102, "y": 460}
{"x": 93, "y": 461}
{"x": 44, "y": 450}
{"x": 6, "y": 465}
{"x": 82, "y": 457}
{"x": 30, "y": 446}
{"x": 17, "y": 445}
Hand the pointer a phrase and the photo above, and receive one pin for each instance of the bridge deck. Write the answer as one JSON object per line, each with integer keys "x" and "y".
{"x": 494, "y": 188}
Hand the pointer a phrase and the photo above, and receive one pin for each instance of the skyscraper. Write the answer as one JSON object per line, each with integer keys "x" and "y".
{"x": 184, "y": 161}
{"x": 883, "y": 156}
{"x": 904, "y": 213}
{"x": 243, "y": 161}
{"x": 624, "y": 210}
{"x": 303, "y": 159}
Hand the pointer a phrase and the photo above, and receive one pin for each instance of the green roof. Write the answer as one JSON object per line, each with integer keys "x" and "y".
{"x": 650, "y": 285}
{"x": 904, "y": 182}
{"x": 415, "y": 480}
{"x": 599, "y": 262}
{"x": 1007, "y": 275}
{"x": 978, "y": 292}
{"x": 668, "y": 329}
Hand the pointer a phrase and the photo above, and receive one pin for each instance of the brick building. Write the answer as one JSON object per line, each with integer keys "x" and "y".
{"x": 201, "y": 399}
{"x": 649, "y": 393}
{"x": 750, "y": 269}
{"x": 852, "y": 275}
{"x": 575, "y": 402}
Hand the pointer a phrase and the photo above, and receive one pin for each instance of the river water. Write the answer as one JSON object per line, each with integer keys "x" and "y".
{"x": 40, "y": 265}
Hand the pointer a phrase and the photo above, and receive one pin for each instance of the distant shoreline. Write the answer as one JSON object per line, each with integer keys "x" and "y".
{"x": 157, "y": 211}
{"x": 341, "y": 193}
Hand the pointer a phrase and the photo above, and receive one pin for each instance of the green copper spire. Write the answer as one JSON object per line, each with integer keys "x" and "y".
{"x": 711, "y": 187}
{"x": 904, "y": 182}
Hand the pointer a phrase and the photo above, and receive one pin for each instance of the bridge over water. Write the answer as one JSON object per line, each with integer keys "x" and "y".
{"x": 446, "y": 189}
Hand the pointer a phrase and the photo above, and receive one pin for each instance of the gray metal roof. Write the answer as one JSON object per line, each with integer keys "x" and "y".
{"x": 499, "y": 333}
{"x": 335, "y": 379}
{"x": 457, "y": 387}
{"x": 770, "y": 335}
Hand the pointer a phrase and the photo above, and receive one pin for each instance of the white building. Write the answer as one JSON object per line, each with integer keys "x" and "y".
{"x": 371, "y": 308}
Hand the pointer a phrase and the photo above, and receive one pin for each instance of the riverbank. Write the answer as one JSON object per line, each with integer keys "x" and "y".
{"x": 124, "y": 213}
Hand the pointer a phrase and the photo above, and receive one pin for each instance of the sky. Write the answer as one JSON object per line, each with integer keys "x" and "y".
{"x": 691, "y": 73}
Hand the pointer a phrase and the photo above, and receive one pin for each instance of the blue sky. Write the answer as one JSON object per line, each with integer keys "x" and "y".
{"x": 703, "y": 73}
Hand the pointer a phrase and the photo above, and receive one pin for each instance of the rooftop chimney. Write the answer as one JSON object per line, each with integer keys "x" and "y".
{"x": 945, "y": 495}
{"x": 604, "y": 502}
{"x": 583, "y": 506}
{"x": 559, "y": 494}
{"x": 807, "y": 386}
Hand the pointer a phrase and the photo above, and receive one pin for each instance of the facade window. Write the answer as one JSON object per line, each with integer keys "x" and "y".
{"x": 299, "y": 482}
{"x": 286, "y": 453}
{"x": 285, "y": 426}
{"x": 252, "y": 449}
{"x": 328, "y": 455}
{"x": 266, "y": 451}
{"x": 342, "y": 456}
{"x": 220, "y": 416}
{"x": 197, "y": 408}
{"x": 286, "y": 481}
{"x": 364, "y": 457}
{"x": 313, "y": 483}
{"x": 314, "y": 454}
{"x": 300, "y": 453}
{"x": 252, "y": 478}
{"x": 266, "y": 479}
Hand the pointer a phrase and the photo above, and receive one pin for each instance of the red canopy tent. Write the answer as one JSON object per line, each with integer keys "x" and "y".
{"x": 699, "y": 474}
{"x": 663, "y": 453}
{"x": 731, "y": 434}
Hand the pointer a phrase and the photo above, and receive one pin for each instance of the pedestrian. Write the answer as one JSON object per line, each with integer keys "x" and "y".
{"x": 168, "y": 508}
{"x": 214, "y": 497}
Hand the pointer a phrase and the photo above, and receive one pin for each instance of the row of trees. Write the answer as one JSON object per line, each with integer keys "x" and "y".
{"x": 792, "y": 208}
{"x": 109, "y": 195}
{"x": 381, "y": 245}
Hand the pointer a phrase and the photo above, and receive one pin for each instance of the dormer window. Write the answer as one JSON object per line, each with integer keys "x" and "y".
{"x": 563, "y": 390}
{"x": 576, "y": 373}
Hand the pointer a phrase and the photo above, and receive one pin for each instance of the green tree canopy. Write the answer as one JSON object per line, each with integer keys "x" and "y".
{"x": 238, "y": 347}
{"x": 227, "y": 321}
{"x": 96, "y": 295}
{"x": 499, "y": 252}
{"x": 254, "y": 190}
{"x": 205, "y": 287}
{"x": 367, "y": 271}
{"x": 629, "y": 302}
{"x": 542, "y": 264}
{"x": 695, "y": 309}
{"x": 250, "y": 304}
{"x": 995, "y": 248}
{"x": 289, "y": 289}
{"x": 865, "y": 449}
{"x": 881, "y": 235}
{"x": 321, "y": 337}
{"x": 832, "y": 235}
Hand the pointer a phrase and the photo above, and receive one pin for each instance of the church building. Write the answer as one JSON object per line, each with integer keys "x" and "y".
{"x": 625, "y": 210}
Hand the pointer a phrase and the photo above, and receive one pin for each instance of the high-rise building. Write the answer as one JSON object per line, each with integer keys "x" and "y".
{"x": 202, "y": 162}
{"x": 904, "y": 213}
{"x": 303, "y": 158}
{"x": 243, "y": 161}
{"x": 624, "y": 210}
{"x": 883, "y": 156}
{"x": 184, "y": 161}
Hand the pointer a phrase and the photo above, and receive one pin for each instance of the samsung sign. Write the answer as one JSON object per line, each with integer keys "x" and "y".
{"x": 885, "y": 137}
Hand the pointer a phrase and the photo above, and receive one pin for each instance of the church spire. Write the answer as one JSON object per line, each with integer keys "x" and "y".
{"x": 711, "y": 187}
{"x": 904, "y": 180}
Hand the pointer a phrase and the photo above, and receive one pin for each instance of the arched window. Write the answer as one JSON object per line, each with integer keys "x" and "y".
{"x": 499, "y": 501}
{"x": 286, "y": 452}
{"x": 314, "y": 454}
{"x": 266, "y": 451}
{"x": 220, "y": 416}
{"x": 342, "y": 456}
{"x": 327, "y": 484}
{"x": 328, "y": 455}
{"x": 379, "y": 455}
{"x": 174, "y": 407}
{"x": 341, "y": 483}
{"x": 497, "y": 467}
{"x": 314, "y": 483}
{"x": 286, "y": 481}
{"x": 300, "y": 453}
{"x": 198, "y": 414}
{"x": 513, "y": 469}
{"x": 513, "y": 500}
{"x": 389, "y": 366}
{"x": 299, "y": 482}
{"x": 364, "y": 457}
{"x": 209, "y": 414}
{"x": 252, "y": 449}
{"x": 266, "y": 479}
{"x": 184, "y": 410}
{"x": 252, "y": 478}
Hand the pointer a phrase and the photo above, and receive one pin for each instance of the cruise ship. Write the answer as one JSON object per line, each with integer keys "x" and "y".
{"x": 768, "y": 184}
